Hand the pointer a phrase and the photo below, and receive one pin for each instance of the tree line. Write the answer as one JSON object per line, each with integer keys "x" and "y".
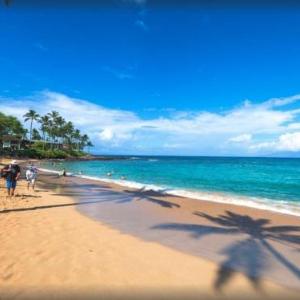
{"x": 10, "y": 125}
{"x": 56, "y": 130}
{"x": 53, "y": 130}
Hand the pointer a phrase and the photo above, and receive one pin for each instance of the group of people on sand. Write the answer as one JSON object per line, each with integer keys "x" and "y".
{"x": 12, "y": 173}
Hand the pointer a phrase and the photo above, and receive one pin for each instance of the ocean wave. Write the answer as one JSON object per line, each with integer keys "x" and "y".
{"x": 277, "y": 206}
{"x": 49, "y": 171}
{"x": 54, "y": 171}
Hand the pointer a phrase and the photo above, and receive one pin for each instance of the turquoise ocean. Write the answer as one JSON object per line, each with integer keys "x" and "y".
{"x": 264, "y": 183}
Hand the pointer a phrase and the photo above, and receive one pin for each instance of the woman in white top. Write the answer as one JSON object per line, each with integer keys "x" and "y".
{"x": 31, "y": 175}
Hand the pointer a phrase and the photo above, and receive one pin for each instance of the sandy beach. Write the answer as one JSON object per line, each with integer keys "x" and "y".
{"x": 80, "y": 238}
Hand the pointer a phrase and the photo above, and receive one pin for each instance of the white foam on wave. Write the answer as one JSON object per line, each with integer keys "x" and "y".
{"x": 278, "y": 206}
{"x": 54, "y": 171}
{"x": 49, "y": 171}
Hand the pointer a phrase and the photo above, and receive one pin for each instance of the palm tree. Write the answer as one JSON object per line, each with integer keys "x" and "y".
{"x": 53, "y": 115}
{"x": 77, "y": 137}
{"x": 44, "y": 121}
{"x": 68, "y": 130}
{"x": 59, "y": 127}
{"x": 25, "y": 132}
{"x": 89, "y": 144}
{"x": 55, "y": 128}
{"x": 83, "y": 141}
{"x": 31, "y": 116}
{"x": 36, "y": 135}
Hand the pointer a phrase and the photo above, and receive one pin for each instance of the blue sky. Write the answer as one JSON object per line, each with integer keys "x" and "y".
{"x": 163, "y": 67}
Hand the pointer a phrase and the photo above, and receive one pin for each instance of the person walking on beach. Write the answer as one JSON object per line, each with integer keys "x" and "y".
{"x": 31, "y": 175}
{"x": 12, "y": 174}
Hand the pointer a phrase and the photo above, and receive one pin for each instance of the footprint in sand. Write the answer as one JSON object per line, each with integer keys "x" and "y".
{"x": 8, "y": 272}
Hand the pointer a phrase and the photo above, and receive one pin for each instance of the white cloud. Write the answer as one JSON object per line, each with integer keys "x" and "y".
{"x": 106, "y": 134}
{"x": 243, "y": 138}
{"x": 288, "y": 142}
{"x": 247, "y": 129}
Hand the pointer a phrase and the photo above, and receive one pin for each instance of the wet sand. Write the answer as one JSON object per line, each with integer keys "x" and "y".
{"x": 78, "y": 238}
{"x": 261, "y": 244}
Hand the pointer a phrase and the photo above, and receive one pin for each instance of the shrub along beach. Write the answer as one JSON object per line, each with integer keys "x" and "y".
{"x": 54, "y": 138}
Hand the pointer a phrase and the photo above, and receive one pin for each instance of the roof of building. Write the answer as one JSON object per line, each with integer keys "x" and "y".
{"x": 11, "y": 138}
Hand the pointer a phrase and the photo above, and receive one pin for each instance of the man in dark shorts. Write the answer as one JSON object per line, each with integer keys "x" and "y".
{"x": 11, "y": 173}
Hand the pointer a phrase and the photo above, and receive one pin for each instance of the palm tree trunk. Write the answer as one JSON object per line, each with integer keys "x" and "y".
{"x": 289, "y": 265}
{"x": 44, "y": 140}
{"x": 30, "y": 129}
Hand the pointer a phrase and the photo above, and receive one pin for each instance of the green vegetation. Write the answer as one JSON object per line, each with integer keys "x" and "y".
{"x": 10, "y": 126}
{"x": 55, "y": 137}
{"x": 31, "y": 116}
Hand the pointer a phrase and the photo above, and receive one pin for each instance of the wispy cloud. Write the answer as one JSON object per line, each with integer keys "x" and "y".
{"x": 136, "y": 2}
{"x": 249, "y": 129}
{"x": 120, "y": 74}
{"x": 141, "y": 24}
{"x": 40, "y": 46}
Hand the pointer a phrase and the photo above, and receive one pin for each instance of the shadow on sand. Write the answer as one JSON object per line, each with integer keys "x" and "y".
{"x": 27, "y": 196}
{"x": 248, "y": 254}
{"x": 147, "y": 195}
{"x": 20, "y": 209}
{"x": 90, "y": 191}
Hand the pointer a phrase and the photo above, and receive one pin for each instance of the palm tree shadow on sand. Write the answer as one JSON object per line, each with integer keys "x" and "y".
{"x": 248, "y": 255}
{"x": 149, "y": 195}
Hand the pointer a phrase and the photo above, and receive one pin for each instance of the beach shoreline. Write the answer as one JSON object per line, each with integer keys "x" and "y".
{"x": 216, "y": 197}
{"x": 128, "y": 263}
{"x": 266, "y": 204}
{"x": 170, "y": 207}
{"x": 87, "y": 157}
